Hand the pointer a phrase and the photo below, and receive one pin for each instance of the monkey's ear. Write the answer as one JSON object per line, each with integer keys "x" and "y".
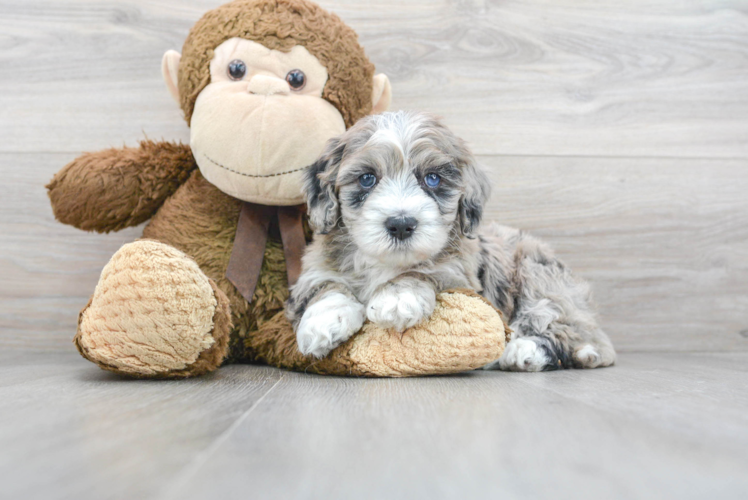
{"x": 319, "y": 188}
{"x": 477, "y": 189}
{"x": 170, "y": 70}
{"x": 381, "y": 94}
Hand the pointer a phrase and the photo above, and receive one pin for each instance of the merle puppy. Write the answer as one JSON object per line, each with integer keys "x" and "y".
{"x": 396, "y": 204}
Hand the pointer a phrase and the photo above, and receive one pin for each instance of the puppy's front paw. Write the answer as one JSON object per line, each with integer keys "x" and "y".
{"x": 328, "y": 323}
{"x": 521, "y": 355}
{"x": 401, "y": 305}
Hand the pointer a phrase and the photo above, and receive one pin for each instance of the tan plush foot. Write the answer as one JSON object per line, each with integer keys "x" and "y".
{"x": 465, "y": 332}
{"x": 154, "y": 313}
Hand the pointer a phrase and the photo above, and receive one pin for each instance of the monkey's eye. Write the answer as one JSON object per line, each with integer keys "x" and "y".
{"x": 367, "y": 180}
{"x": 237, "y": 69}
{"x": 296, "y": 79}
{"x": 432, "y": 180}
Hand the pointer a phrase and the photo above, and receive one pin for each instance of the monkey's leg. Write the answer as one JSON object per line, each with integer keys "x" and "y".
{"x": 154, "y": 313}
{"x": 464, "y": 333}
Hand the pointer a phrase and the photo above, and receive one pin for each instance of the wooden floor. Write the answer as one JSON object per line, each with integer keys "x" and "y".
{"x": 617, "y": 131}
{"x": 656, "y": 426}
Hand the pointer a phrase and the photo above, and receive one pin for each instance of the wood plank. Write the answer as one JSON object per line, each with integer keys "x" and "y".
{"x": 663, "y": 242}
{"x": 49, "y": 270}
{"x": 71, "y": 430}
{"x": 637, "y": 78}
{"x": 489, "y": 434}
{"x": 654, "y": 426}
{"x": 681, "y": 393}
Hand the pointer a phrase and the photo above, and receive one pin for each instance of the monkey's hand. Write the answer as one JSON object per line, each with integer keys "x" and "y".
{"x": 116, "y": 188}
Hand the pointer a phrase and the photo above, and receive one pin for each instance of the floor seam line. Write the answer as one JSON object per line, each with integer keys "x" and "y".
{"x": 190, "y": 469}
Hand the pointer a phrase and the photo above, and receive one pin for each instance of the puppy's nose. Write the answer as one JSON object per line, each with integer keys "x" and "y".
{"x": 401, "y": 228}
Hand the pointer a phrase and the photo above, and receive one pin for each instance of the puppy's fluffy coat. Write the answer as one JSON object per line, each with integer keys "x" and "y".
{"x": 396, "y": 204}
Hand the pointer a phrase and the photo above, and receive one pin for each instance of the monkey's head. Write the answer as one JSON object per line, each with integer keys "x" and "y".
{"x": 263, "y": 85}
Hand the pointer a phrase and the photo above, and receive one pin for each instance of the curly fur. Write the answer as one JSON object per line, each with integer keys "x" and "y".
{"x": 117, "y": 188}
{"x": 356, "y": 258}
{"x": 280, "y": 25}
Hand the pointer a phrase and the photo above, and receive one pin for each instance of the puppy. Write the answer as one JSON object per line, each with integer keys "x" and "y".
{"x": 396, "y": 204}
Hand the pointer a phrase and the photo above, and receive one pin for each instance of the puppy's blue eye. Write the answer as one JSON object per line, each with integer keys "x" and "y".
{"x": 367, "y": 180}
{"x": 432, "y": 180}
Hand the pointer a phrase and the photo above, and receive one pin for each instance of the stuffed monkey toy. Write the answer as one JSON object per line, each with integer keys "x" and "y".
{"x": 263, "y": 85}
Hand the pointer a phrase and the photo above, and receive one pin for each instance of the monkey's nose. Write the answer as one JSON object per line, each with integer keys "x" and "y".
{"x": 401, "y": 228}
{"x": 268, "y": 85}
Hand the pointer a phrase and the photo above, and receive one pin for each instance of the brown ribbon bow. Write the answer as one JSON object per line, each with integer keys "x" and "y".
{"x": 246, "y": 258}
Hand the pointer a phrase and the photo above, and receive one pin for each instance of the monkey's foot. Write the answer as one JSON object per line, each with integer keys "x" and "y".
{"x": 154, "y": 313}
{"x": 465, "y": 332}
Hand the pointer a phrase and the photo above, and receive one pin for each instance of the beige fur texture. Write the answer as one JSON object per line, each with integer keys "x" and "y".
{"x": 464, "y": 333}
{"x": 152, "y": 311}
{"x": 253, "y": 138}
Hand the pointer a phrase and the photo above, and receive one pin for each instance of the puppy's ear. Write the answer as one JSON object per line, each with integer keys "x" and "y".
{"x": 319, "y": 188}
{"x": 476, "y": 191}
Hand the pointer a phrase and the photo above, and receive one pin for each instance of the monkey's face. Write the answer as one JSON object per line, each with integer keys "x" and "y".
{"x": 261, "y": 120}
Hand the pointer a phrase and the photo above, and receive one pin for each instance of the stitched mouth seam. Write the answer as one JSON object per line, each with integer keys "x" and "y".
{"x": 251, "y": 175}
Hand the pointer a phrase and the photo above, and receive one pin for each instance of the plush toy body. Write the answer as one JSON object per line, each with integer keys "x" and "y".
{"x": 263, "y": 84}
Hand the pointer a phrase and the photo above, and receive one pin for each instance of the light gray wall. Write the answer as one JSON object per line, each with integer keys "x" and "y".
{"x": 618, "y": 131}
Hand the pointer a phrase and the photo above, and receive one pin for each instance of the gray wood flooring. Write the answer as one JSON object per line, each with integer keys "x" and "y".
{"x": 655, "y": 426}
{"x": 617, "y": 131}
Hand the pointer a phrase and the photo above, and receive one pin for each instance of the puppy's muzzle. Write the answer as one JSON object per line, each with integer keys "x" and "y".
{"x": 401, "y": 228}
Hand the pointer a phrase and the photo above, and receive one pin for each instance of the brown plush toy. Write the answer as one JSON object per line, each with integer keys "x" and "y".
{"x": 263, "y": 85}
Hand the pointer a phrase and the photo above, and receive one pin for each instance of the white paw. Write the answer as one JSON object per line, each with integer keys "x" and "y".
{"x": 521, "y": 355}
{"x": 587, "y": 357}
{"x": 328, "y": 323}
{"x": 401, "y": 305}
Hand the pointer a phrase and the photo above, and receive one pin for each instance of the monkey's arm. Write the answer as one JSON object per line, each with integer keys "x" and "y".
{"x": 116, "y": 188}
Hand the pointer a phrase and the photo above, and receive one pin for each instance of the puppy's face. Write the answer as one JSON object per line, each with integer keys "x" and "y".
{"x": 401, "y": 184}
